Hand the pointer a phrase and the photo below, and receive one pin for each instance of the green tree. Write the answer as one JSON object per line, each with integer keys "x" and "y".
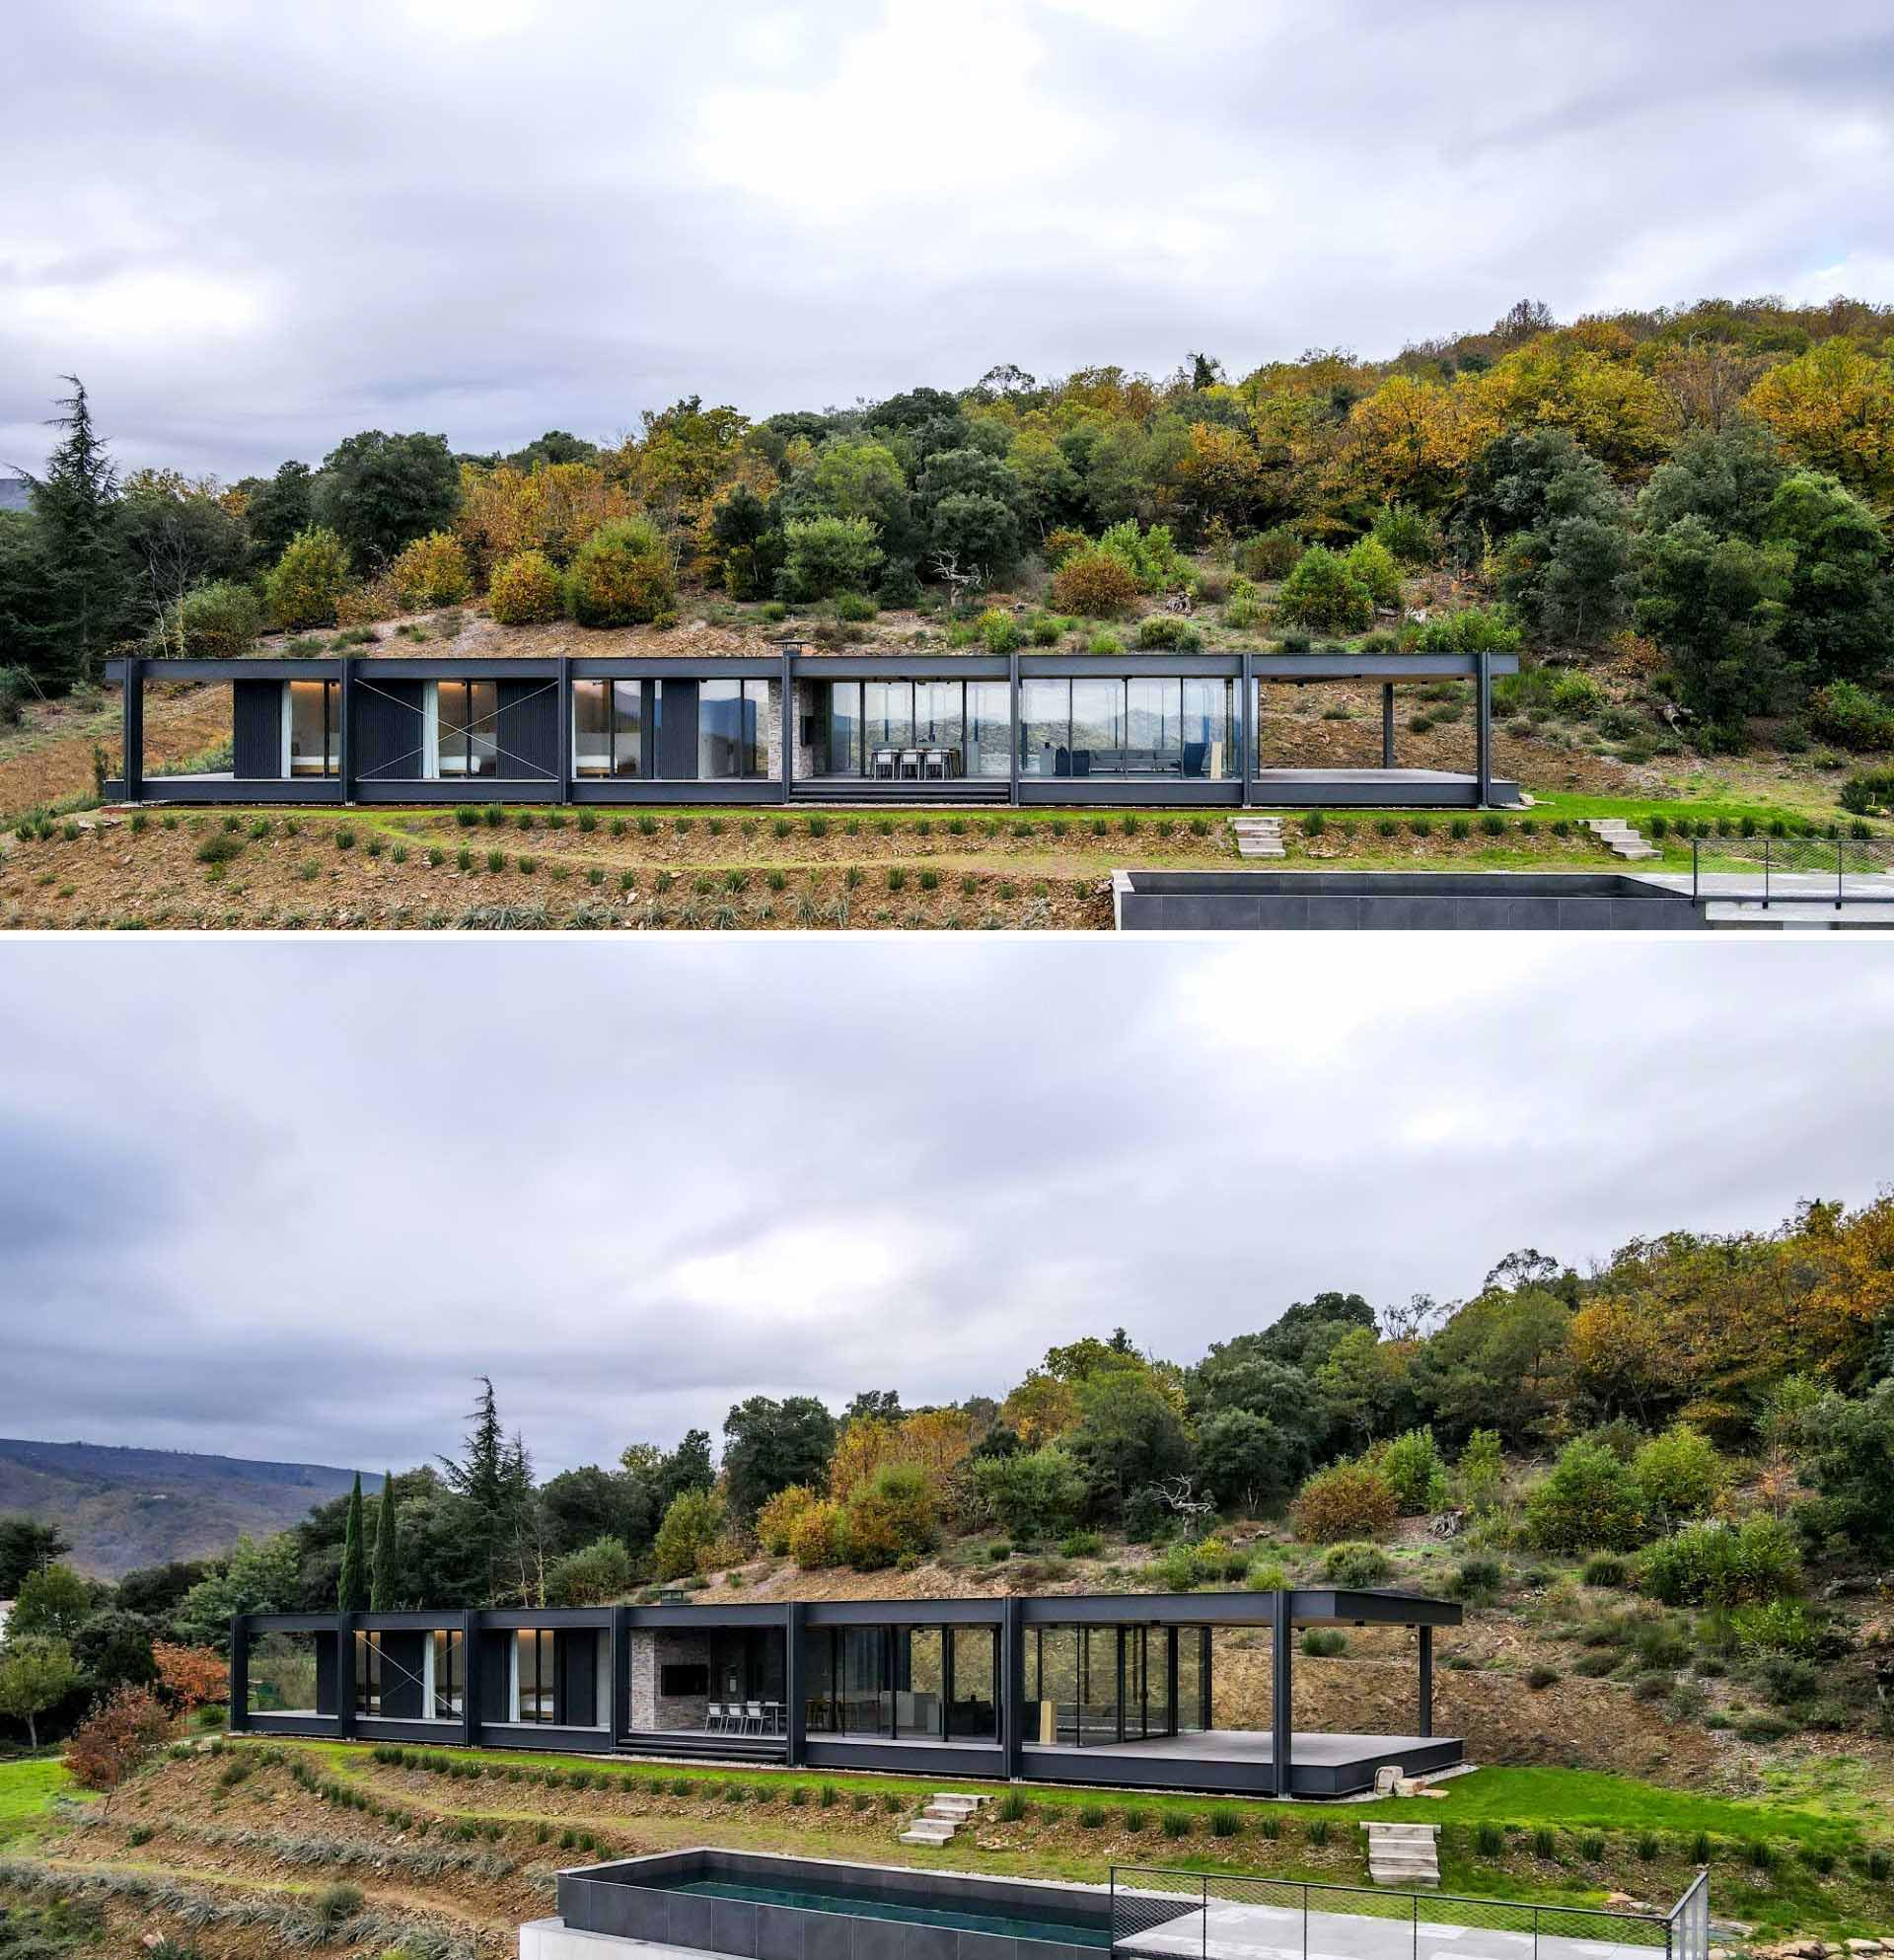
{"x": 691, "y": 1525}
{"x": 351, "y": 1587}
{"x": 686, "y": 1468}
{"x": 1838, "y": 618}
{"x": 75, "y": 520}
{"x": 1128, "y": 1434}
{"x": 1590, "y": 1500}
{"x": 54, "y": 1600}
{"x": 768, "y": 1445}
{"x": 276, "y": 509}
{"x": 621, "y": 576}
{"x": 1499, "y": 1363}
{"x": 36, "y": 1674}
{"x": 977, "y": 531}
{"x": 1032, "y": 1494}
{"x": 495, "y": 1477}
{"x": 1714, "y": 605}
{"x": 1848, "y": 1455}
{"x": 1322, "y": 595}
{"x": 27, "y": 1545}
{"x": 1245, "y": 1460}
{"x": 595, "y": 1574}
{"x": 113, "y": 1647}
{"x": 829, "y": 555}
{"x": 379, "y": 493}
{"x": 259, "y": 1575}
{"x": 385, "y": 1578}
{"x": 306, "y": 584}
{"x": 1679, "y": 1473}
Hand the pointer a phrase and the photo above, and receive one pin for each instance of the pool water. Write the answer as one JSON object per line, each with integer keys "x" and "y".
{"x": 855, "y": 1904}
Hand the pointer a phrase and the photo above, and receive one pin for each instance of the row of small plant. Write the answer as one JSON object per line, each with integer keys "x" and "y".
{"x": 423, "y": 1861}
{"x": 333, "y": 1915}
{"x": 1491, "y": 824}
{"x": 493, "y": 817}
{"x": 1547, "y": 1846}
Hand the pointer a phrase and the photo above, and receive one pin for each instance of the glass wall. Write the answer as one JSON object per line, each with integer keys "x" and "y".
{"x": 608, "y": 728}
{"x": 732, "y": 720}
{"x": 467, "y": 728}
{"x": 973, "y": 1695}
{"x": 891, "y": 730}
{"x": 1130, "y": 726}
{"x": 536, "y": 1672}
{"x": 1091, "y": 1685}
{"x": 920, "y": 1667}
{"x": 315, "y": 727}
{"x": 368, "y": 1673}
{"x": 292, "y": 1674}
{"x": 447, "y": 1676}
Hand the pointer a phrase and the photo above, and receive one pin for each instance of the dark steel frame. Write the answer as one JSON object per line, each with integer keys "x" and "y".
{"x": 1013, "y": 1754}
{"x": 792, "y": 667}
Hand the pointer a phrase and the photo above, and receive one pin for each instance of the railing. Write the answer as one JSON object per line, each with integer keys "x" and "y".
{"x": 1806, "y": 868}
{"x": 1159, "y": 1914}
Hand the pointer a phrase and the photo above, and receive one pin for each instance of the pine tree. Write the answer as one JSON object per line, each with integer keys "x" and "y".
{"x": 351, "y": 1583}
{"x": 384, "y": 1579}
{"x": 75, "y": 511}
{"x": 495, "y": 1477}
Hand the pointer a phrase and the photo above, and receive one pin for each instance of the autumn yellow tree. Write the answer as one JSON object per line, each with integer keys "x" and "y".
{"x": 1834, "y": 408}
{"x": 1413, "y": 439}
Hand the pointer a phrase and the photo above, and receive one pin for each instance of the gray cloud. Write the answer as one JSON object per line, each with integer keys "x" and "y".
{"x": 253, "y": 231}
{"x": 285, "y": 1199}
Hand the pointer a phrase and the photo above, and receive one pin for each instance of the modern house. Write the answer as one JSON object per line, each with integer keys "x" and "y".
{"x": 1017, "y": 729}
{"x": 1113, "y": 1689}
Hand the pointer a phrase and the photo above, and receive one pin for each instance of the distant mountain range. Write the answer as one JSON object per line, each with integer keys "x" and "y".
{"x": 128, "y": 1508}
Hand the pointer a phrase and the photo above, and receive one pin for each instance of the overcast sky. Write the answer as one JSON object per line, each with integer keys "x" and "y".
{"x": 285, "y": 1199}
{"x": 252, "y": 228}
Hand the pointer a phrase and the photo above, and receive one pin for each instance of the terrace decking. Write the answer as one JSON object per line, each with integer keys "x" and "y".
{"x": 1320, "y": 1765}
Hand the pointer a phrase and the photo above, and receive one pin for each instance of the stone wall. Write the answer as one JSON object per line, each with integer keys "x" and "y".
{"x": 650, "y": 1653}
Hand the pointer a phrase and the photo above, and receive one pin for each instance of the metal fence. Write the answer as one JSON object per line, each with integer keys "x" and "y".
{"x": 1158, "y": 1914}
{"x": 1829, "y": 870}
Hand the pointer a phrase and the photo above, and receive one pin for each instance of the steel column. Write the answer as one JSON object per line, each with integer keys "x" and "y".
{"x": 1012, "y": 1682}
{"x": 565, "y": 726}
{"x": 1247, "y": 724}
{"x": 1281, "y": 1702}
{"x": 1426, "y": 1714}
{"x": 795, "y": 1700}
{"x": 347, "y": 744}
{"x": 786, "y": 719}
{"x": 134, "y": 706}
{"x": 1012, "y": 691}
{"x": 345, "y": 1674}
{"x": 618, "y": 1700}
{"x": 1387, "y": 724}
{"x": 469, "y": 1676}
{"x": 239, "y": 1717}
{"x": 1482, "y": 686}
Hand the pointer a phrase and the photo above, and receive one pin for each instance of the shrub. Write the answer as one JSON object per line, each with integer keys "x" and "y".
{"x": 1489, "y": 1839}
{"x": 1060, "y": 542}
{"x": 219, "y": 848}
{"x": 1322, "y": 594}
{"x": 525, "y": 590}
{"x": 1177, "y": 1823}
{"x": 1539, "y": 1678}
{"x": 1681, "y": 1472}
{"x": 1577, "y": 695}
{"x": 1347, "y": 1499}
{"x": 777, "y": 1520}
{"x": 1033, "y": 1493}
{"x": 1474, "y": 629}
{"x": 217, "y": 622}
{"x": 888, "y": 1515}
{"x": 691, "y": 1524}
{"x": 1355, "y": 1565}
{"x": 1779, "y": 1627}
{"x": 1265, "y": 1575}
{"x": 1589, "y": 1501}
{"x": 1413, "y": 1463}
{"x": 1370, "y": 563}
{"x": 1000, "y": 630}
{"x": 853, "y": 607}
{"x": 1226, "y": 1821}
{"x": 1851, "y": 717}
{"x": 1605, "y": 1568}
{"x": 1270, "y": 555}
{"x": 1094, "y": 584}
{"x": 621, "y": 576}
{"x": 433, "y": 571}
{"x": 1479, "y": 1581}
{"x": 1411, "y": 537}
{"x": 306, "y": 583}
{"x": 1081, "y": 1545}
{"x": 1167, "y": 630}
{"x": 831, "y": 554}
{"x": 900, "y": 588}
{"x": 1719, "y": 1565}
{"x": 1324, "y": 1642}
{"x": 1150, "y": 556}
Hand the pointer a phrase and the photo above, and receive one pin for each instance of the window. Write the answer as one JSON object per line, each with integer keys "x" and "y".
{"x": 920, "y": 1680}
{"x": 608, "y": 728}
{"x": 1209, "y": 730}
{"x": 973, "y": 1695}
{"x": 368, "y": 1673}
{"x": 447, "y": 1696}
{"x": 315, "y": 720}
{"x": 990, "y": 728}
{"x": 732, "y": 716}
{"x": 839, "y": 753}
{"x": 1098, "y": 727}
{"x": 1046, "y": 728}
{"x": 535, "y": 1659}
{"x": 467, "y": 728}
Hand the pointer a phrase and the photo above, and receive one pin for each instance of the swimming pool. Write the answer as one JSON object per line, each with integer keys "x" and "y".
{"x": 754, "y": 1906}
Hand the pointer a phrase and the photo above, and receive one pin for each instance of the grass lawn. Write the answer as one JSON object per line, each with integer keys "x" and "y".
{"x": 28, "y": 1788}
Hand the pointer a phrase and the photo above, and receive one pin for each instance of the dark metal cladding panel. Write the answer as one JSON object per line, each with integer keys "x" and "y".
{"x": 257, "y": 728}
{"x": 529, "y": 728}
{"x": 390, "y": 731}
{"x": 495, "y": 1677}
{"x": 578, "y": 1676}
{"x": 326, "y": 1698}
{"x": 402, "y": 1680}
{"x": 677, "y": 740}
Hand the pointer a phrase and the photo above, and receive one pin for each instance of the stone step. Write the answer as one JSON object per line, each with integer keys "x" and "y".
{"x": 1404, "y": 1854}
{"x": 929, "y": 1830}
{"x": 960, "y": 1799}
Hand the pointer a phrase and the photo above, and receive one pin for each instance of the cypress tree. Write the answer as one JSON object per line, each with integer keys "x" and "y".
{"x": 351, "y": 1583}
{"x": 384, "y": 1577}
